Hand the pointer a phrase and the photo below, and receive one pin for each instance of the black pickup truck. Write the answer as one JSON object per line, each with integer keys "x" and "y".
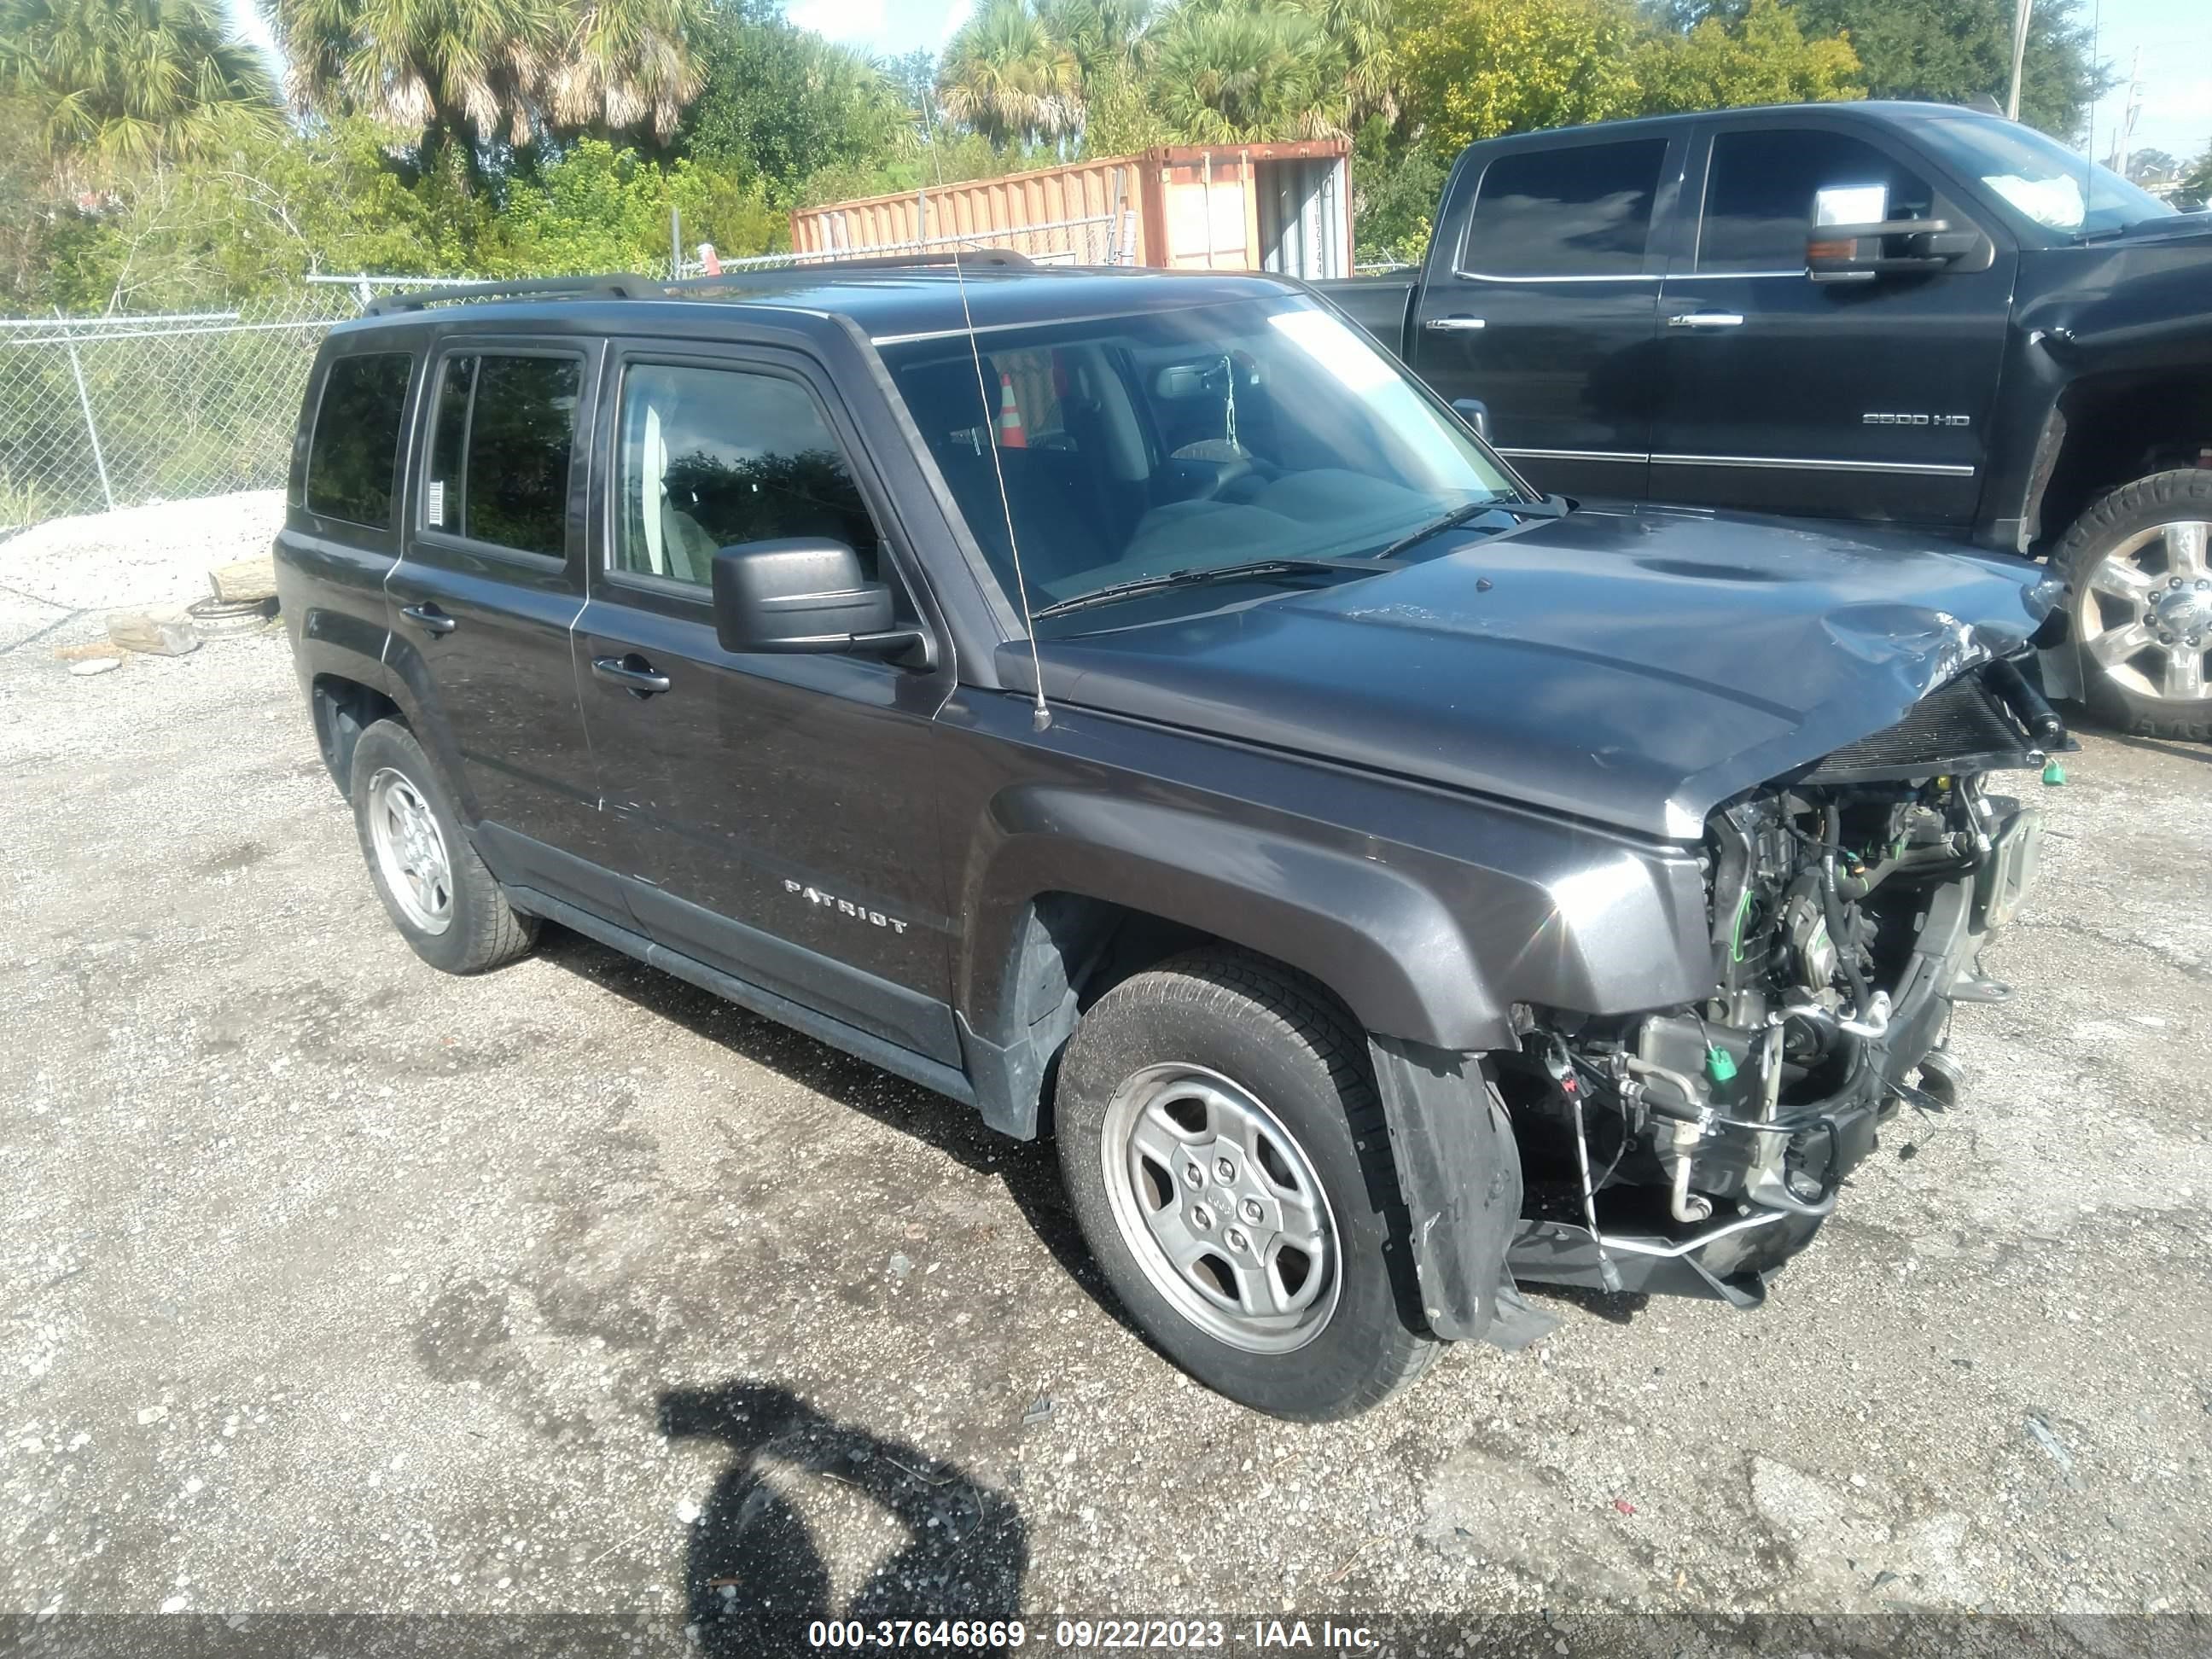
{"x": 1902, "y": 312}
{"x": 1133, "y": 705}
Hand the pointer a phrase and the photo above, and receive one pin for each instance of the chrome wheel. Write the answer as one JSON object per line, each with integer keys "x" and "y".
{"x": 1221, "y": 1208}
{"x": 411, "y": 851}
{"x": 2146, "y": 612}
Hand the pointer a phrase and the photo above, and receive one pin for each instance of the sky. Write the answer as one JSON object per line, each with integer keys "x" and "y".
{"x": 2173, "y": 37}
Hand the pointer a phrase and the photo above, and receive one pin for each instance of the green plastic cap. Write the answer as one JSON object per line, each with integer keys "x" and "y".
{"x": 1720, "y": 1065}
{"x": 2053, "y": 773}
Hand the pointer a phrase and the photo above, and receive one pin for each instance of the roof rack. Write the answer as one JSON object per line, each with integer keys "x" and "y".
{"x": 641, "y": 288}
{"x": 605, "y": 287}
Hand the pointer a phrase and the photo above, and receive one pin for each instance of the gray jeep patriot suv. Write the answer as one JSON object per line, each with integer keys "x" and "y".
{"x": 1131, "y": 704}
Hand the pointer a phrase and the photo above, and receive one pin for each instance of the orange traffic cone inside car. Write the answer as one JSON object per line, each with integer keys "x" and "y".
{"x": 1011, "y": 435}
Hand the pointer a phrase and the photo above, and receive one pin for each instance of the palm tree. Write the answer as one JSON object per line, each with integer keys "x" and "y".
{"x": 466, "y": 70}
{"x": 129, "y": 81}
{"x": 1104, "y": 37}
{"x": 477, "y": 72}
{"x": 627, "y": 64}
{"x": 1006, "y": 76}
{"x": 1225, "y": 72}
{"x": 1363, "y": 32}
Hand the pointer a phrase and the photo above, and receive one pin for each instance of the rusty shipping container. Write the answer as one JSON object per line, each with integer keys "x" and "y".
{"x": 1283, "y": 207}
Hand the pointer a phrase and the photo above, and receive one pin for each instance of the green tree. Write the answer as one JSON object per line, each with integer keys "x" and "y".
{"x": 783, "y": 103}
{"x": 123, "y": 81}
{"x": 1395, "y": 190}
{"x": 1228, "y": 71}
{"x": 1760, "y": 56}
{"x": 1006, "y": 75}
{"x": 627, "y": 66}
{"x": 1952, "y": 51}
{"x": 476, "y": 73}
{"x": 1475, "y": 69}
{"x": 597, "y": 208}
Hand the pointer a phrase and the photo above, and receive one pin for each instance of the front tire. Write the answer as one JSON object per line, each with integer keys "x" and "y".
{"x": 436, "y": 890}
{"x": 1226, "y": 1157}
{"x": 2141, "y": 599}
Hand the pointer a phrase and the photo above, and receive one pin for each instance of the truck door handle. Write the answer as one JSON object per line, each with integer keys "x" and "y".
{"x": 1454, "y": 325}
{"x": 632, "y": 671}
{"x": 429, "y": 618}
{"x": 1707, "y": 319}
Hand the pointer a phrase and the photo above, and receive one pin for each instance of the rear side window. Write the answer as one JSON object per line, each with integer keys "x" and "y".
{"x": 1760, "y": 187}
{"x": 713, "y": 457}
{"x": 1583, "y": 211}
{"x": 355, "y": 451}
{"x": 499, "y": 448}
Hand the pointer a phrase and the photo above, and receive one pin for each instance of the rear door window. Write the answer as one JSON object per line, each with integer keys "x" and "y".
{"x": 1584, "y": 210}
{"x": 1759, "y": 190}
{"x": 501, "y": 447}
{"x": 354, "y": 455}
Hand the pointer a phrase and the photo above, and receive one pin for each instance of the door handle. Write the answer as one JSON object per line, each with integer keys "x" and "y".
{"x": 1707, "y": 319}
{"x": 632, "y": 672}
{"x": 1454, "y": 325}
{"x": 429, "y": 618}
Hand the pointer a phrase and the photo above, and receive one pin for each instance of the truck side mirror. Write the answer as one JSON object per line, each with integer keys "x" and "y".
{"x": 803, "y": 594}
{"x": 1475, "y": 413}
{"x": 1889, "y": 247}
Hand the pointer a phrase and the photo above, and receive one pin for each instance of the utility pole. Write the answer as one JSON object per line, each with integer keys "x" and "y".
{"x": 2130, "y": 110}
{"x": 2020, "y": 13}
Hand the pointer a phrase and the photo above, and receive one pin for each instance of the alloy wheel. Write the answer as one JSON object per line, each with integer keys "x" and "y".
{"x": 2146, "y": 617}
{"x": 411, "y": 851}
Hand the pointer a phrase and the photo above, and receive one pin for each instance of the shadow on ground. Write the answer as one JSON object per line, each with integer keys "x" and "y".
{"x": 758, "y": 1575}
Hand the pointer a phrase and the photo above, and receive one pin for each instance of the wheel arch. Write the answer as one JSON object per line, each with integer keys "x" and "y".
{"x": 341, "y": 708}
{"x": 2109, "y": 429}
{"x": 1075, "y": 890}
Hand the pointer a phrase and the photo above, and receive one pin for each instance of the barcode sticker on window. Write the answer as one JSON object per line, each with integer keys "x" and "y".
{"x": 436, "y": 510}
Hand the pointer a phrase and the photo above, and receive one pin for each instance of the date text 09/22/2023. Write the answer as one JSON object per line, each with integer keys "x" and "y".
{"x": 1104, "y": 1635}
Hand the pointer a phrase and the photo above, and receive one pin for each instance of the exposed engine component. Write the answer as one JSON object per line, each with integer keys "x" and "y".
{"x": 1846, "y": 903}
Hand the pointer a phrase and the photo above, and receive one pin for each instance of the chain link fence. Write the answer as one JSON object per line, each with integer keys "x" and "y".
{"x": 114, "y": 411}
{"x": 101, "y": 412}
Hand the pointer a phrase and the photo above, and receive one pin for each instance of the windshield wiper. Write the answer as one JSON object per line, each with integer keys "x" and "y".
{"x": 1552, "y": 506}
{"x": 1218, "y": 573}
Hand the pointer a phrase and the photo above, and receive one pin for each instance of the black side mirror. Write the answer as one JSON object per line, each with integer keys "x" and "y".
{"x": 805, "y": 593}
{"x": 1900, "y": 247}
{"x": 1476, "y": 413}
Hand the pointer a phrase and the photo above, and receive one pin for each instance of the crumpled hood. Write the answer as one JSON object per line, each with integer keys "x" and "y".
{"x": 1635, "y": 667}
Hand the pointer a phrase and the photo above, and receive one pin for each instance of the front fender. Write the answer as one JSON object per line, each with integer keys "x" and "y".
{"x": 1359, "y": 927}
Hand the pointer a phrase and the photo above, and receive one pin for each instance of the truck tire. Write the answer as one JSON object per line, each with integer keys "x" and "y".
{"x": 1225, "y": 1156}
{"x": 434, "y": 888}
{"x": 2142, "y": 601}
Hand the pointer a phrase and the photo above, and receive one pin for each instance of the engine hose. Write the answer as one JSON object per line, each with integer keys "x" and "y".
{"x": 1846, "y": 943}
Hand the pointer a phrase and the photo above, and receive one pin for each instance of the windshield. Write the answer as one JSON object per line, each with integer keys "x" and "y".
{"x": 2042, "y": 178}
{"x": 1186, "y": 439}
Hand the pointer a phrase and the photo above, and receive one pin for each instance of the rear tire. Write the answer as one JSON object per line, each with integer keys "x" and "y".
{"x": 2142, "y": 604}
{"x": 436, "y": 890}
{"x": 1225, "y": 1156}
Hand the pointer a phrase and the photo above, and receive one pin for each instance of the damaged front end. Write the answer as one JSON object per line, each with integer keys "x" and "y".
{"x": 1694, "y": 1149}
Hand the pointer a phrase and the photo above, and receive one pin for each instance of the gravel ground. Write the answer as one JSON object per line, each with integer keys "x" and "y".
{"x": 334, "y": 1284}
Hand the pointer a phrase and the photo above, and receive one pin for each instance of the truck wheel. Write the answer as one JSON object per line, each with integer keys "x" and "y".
{"x": 434, "y": 886}
{"x": 1225, "y": 1155}
{"x": 2142, "y": 603}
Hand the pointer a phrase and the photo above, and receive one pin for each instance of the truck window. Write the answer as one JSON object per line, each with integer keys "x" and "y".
{"x": 355, "y": 451}
{"x": 1584, "y": 210}
{"x": 500, "y": 447}
{"x": 711, "y": 458}
{"x": 1759, "y": 187}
